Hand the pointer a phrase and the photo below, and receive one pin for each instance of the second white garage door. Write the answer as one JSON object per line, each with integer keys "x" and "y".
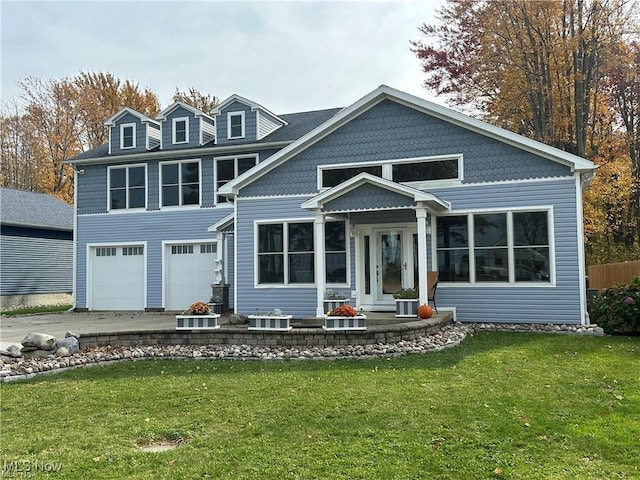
{"x": 189, "y": 274}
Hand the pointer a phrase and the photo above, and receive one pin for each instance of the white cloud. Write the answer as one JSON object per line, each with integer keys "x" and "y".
{"x": 288, "y": 56}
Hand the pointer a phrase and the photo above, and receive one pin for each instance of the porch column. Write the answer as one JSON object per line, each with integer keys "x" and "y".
{"x": 218, "y": 268}
{"x": 318, "y": 244}
{"x": 421, "y": 220}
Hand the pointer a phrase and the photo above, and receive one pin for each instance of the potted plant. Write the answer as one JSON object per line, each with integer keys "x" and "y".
{"x": 406, "y": 302}
{"x": 344, "y": 317}
{"x": 273, "y": 320}
{"x": 333, "y": 299}
{"x": 197, "y": 317}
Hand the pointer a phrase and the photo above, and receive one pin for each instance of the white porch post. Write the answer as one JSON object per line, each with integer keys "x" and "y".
{"x": 421, "y": 220}
{"x": 318, "y": 241}
{"x": 218, "y": 269}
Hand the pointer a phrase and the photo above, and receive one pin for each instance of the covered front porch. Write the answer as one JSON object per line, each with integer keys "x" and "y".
{"x": 390, "y": 225}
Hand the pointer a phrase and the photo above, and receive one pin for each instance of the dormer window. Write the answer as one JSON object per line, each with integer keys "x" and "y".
{"x": 181, "y": 130}
{"x": 235, "y": 125}
{"x": 127, "y": 135}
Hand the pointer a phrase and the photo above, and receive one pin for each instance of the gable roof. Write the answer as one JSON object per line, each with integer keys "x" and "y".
{"x": 111, "y": 121}
{"x": 246, "y": 101}
{"x": 198, "y": 113}
{"x": 384, "y": 92}
{"x": 35, "y": 210}
{"x": 430, "y": 201}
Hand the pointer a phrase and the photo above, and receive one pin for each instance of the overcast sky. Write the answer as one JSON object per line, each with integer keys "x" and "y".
{"x": 287, "y": 56}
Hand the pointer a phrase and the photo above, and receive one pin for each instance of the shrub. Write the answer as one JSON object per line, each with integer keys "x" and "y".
{"x": 617, "y": 309}
{"x": 406, "y": 293}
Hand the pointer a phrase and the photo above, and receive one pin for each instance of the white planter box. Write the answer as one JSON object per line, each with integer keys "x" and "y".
{"x": 279, "y": 323}
{"x": 335, "y": 322}
{"x": 197, "y": 322}
{"x": 331, "y": 305}
{"x": 406, "y": 307}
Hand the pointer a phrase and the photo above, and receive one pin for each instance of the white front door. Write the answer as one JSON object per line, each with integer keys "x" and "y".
{"x": 393, "y": 263}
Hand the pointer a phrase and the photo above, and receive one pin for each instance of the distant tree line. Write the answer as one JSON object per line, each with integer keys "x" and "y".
{"x": 51, "y": 121}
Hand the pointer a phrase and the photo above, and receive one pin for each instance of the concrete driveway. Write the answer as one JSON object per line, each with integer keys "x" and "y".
{"x": 14, "y": 329}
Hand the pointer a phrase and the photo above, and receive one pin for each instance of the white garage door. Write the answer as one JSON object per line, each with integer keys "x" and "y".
{"x": 117, "y": 278}
{"x": 189, "y": 274}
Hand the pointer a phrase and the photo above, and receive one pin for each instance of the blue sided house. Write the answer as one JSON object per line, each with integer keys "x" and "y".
{"x": 364, "y": 200}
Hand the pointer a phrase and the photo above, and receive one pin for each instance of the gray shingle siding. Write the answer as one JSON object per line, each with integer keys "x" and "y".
{"x": 392, "y": 131}
{"x": 141, "y": 135}
{"x": 91, "y": 187}
{"x": 250, "y": 127}
{"x": 368, "y": 196}
{"x": 167, "y": 130}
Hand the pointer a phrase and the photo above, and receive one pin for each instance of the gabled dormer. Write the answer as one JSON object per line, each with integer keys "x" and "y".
{"x": 240, "y": 120}
{"x": 132, "y": 132}
{"x": 184, "y": 126}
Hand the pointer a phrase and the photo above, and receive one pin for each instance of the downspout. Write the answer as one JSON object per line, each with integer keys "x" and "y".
{"x": 582, "y": 273}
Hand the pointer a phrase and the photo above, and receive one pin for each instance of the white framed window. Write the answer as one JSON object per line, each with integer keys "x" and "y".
{"x": 285, "y": 253}
{"x": 180, "y": 130}
{"x": 127, "y": 135}
{"x": 228, "y": 168}
{"x": 508, "y": 247}
{"x": 127, "y": 187}
{"x": 180, "y": 183}
{"x": 235, "y": 125}
{"x": 414, "y": 171}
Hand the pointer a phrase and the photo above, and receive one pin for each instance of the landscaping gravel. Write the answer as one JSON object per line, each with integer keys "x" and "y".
{"x": 448, "y": 336}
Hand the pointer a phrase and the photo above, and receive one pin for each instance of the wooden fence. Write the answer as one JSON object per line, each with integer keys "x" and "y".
{"x": 604, "y": 276}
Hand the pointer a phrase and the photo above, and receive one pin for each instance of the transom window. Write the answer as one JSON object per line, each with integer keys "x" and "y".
{"x": 127, "y": 135}
{"x": 286, "y": 255}
{"x": 181, "y": 130}
{"x": 235, "y": 125}
{"x": 127, "y": 187}
{"x": 509, "y": 247}
{"x": 335, "y": 176}
{"x": 181, "y": 249}
{"x": 417, "y": 170}
{"x": 180, "y": 183}
{"x": 228, "y": 168}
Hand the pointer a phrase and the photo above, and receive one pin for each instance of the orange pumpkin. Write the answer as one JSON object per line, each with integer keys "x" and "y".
{"x": 425, "y": 311}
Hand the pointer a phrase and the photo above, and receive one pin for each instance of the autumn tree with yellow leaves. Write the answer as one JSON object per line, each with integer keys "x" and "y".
{"x": 563, "y": 72}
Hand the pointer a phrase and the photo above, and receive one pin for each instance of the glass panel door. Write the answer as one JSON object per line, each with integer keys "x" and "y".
{"x": 389, "y": 265}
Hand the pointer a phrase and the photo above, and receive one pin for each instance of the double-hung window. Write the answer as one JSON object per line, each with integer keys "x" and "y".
{"x": 235, "y": 125}
{"x": 228, "y": 168}
{"x": 180, "y": 183}
{"x": 503, "y": 247}
{"x": 286, "y": 255}
{"x": 128, "y": 135}
{"x": 127, "y": 187}
{"x": 181, "y": 130}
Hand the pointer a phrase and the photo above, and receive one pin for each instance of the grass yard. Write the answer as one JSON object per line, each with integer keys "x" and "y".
{"x": 32, "y": 310}
{"x": 502, "y": 405}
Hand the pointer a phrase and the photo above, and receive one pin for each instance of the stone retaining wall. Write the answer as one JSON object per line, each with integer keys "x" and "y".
{"x": 240, "y": 335}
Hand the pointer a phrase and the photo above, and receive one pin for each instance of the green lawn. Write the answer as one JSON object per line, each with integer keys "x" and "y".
{"x": 32, "y": 310}
{"x": 502, "y": 405}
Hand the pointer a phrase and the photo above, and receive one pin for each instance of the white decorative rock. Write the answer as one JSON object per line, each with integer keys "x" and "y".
{"x": 40, "y": 341}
